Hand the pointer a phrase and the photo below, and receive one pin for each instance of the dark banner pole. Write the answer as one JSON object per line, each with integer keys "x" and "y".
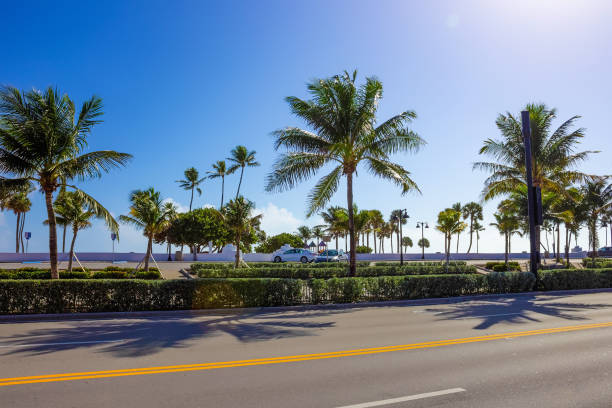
{"x": 531, "y": 204}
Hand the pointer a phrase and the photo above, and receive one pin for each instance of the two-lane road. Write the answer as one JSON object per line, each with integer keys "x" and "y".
{"x": 506, "y": 351}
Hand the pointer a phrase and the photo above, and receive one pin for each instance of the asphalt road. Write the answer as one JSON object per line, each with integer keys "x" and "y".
{"x": 546, "y": 350}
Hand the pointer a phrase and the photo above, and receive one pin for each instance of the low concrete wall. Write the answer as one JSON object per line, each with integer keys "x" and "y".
{"x": 228, "y": 256}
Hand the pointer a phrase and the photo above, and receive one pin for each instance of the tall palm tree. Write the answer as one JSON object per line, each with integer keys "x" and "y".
{"x": 318, "y": 232}
{"x": 478, "y": 228}
{"x": 554, "y": 158}
{"x": 305, "y": 233}
{"x": 506, "y": 223}
{"x": 374, "y": 223}
{"x": 473, "y": 212}
{"x": 238, "y": 216}
{"x": 449, "y": 223}
{"x": 42, "y": 141}
{"x": 78, "y": 214}
{"x": 61, "y": 208}
{"x": 597, "y": 199}
{"x": 334, "y": 217}
{"x": 457, "y": 207}
{"x": 402, "y": 216}
{"x": 220, "y": 171}
{"x": 343, "y": 117}
{"x": 191, "y": 182}
{"x": 148, "y": 213}
{"x": 18, "y": 202}
{"x": 241, "y": 157}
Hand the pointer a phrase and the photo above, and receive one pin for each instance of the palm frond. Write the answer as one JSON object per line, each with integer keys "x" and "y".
{"x": 324, "y": 190}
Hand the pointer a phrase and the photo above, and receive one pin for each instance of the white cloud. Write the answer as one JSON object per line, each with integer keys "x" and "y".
{"x": 179, "y": 207}
{"x": 276, "y": 220}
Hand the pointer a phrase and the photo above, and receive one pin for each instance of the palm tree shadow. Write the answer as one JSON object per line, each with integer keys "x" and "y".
{"x": 144, "y": 336}
{"x": 515, "y": 310}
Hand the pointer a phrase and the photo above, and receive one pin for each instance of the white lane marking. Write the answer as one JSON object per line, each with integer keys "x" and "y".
{"x": 406, "y": 398}
{"x": 60, "y": 344}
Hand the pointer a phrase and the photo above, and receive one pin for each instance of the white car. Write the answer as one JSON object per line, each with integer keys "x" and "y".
{"x": 331, "y": 255}
{"x": 295, "y": 255}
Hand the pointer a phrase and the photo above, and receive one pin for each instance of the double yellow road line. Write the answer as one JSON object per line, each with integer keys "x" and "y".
{"x": 287, "y": 359}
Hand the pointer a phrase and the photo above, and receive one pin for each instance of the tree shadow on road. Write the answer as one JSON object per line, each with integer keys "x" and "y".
{"x": 515, "y": 310}
{"x": 148, "y": 335}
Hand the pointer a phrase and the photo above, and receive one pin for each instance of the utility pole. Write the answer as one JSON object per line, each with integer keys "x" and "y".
{"x": 534, "y": 198}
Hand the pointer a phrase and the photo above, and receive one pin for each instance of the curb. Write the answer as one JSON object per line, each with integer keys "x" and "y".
{"x": 25, "y": 318}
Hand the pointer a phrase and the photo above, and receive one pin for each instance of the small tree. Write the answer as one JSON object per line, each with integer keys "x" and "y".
{"x": 197, "y": 228}
{"x": 473, "y": 212}
{"x": 241, "y": 157}
{"x": 423, "y": 243}
{"x": 148, "y": 213}
{"x": 449, "y": 223}
{"x": 271, "y": 244}
{"x": 241, "y": 222}
{"x": 406, "y": 242}
{"x": 305, "y": 233}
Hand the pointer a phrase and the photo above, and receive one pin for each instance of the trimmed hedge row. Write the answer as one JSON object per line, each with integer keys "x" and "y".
{"x": 56, "y": 296}
{"x": 422, "y": 263}
{"x": 327, "y": 273}
{"x": 257, "y": 265}
{"x": 105, "y": 274}
{"x": 597, "y": 262}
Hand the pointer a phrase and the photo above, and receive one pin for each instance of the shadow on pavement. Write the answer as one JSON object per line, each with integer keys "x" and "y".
{"x": 148, "y": 335}
{"x": 515, "y": 309}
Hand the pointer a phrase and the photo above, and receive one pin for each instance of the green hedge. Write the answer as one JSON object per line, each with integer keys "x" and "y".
{"x": 565, "y": 279}
{"x": 500, "y": 266}
{"x": 327, "y": 273}
{"x": 124, "y": 273}
{"x": 57, "y": 296}
{"x": 597, "y": 262}
{"x": 421, "y": 263}
{"x": 264, "y": 265}
{"x": 101, "y": 295}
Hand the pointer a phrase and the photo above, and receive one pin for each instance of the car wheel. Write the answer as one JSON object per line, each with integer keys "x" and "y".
{"x": 277, "y": 259}
{"x": 304, "y": 259}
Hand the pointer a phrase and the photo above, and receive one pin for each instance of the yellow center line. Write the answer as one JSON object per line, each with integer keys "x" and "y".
{"x": 288, "y": 359}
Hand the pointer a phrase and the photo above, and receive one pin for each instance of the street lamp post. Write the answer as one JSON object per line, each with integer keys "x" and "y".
{"x": 403, "y": 215}
{"x": 421, "y": 225}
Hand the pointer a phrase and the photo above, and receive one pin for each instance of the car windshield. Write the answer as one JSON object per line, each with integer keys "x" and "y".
{"x": 333, "y": 253}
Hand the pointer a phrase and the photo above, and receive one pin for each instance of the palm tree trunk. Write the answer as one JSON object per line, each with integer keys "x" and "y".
{"x": 351, "y": 223}
{"x": 52, "y": 233}
{"x": 17, "y": 226}
{"x": 64, "y": 240}
{"x": 148, "y": 254}
{"x": 558, "y": 242}
{"x": 471, "y": 233}
{"x": 399, "y": 241}
{"x": 222, "y": 189}
{"x": 457, "y": 242}
{"x": 391, "y": 243}
{"x": 240, "y": 182}
{"x": 567, "y": 244}
{"x": 74, "y": 236}
{"x": 191, "y": 200}
{"x": 237, "y": 258}
{"x": 23, "y": 217}
{"x": 375, "y": 244}
{"x": 477, "y": 239}
{"x": 506, "y": 250}
{"x": 336, "y": 242}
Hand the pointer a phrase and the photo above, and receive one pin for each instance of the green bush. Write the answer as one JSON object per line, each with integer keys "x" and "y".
{"x": 28, "y": 273}
{"x": 420, "y": 263}
{"x": 362, "y": 249}
{"x": 497, "y": 266}
{"x": 152, "y": 274}
{"x": 102, "y": 295}
{"x": 597, "y": 262}
{"x": 110, "y": 275}
{"x": 281, "y": 271}
{"x": 575, "y": 279}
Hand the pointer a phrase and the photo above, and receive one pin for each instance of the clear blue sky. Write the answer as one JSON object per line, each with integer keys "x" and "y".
{"x": 185, "y": 81}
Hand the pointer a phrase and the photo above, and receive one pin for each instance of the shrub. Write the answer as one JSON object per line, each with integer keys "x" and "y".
{"x": 102, "y": 295}
{"x": 362, "y": 249}
{"x": 147, "y": 275}
{"x": 575, "y": 279}
{"x": 329, "y": 272}
{"x": 597, "y": 262}
{"x": 497, "y": 266}
{"x": 109, "y": 275}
